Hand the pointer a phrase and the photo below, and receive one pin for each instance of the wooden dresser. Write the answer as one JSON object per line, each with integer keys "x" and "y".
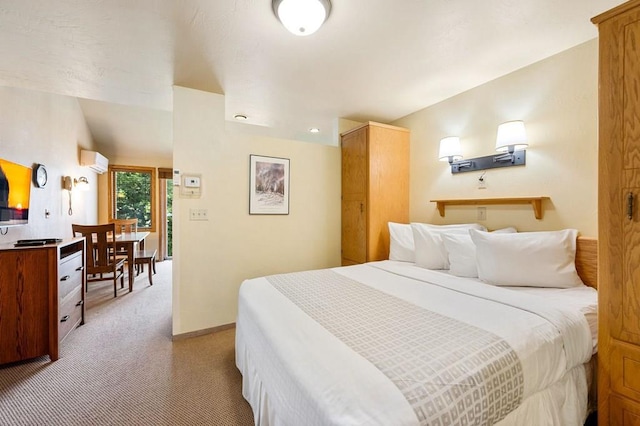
{"x": 618, "y": 216}
{"x": 41, "y": 298}
{"x": 375, "y": 189}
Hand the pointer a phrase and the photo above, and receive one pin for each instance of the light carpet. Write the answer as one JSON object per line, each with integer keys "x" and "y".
{"x": 122, "y": 368}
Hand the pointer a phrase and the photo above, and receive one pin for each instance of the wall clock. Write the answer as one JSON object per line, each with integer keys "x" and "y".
{"x": 40, "y": 175}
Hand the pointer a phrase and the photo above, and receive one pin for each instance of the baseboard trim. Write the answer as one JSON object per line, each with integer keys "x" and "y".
{"x": 202, "y": 332}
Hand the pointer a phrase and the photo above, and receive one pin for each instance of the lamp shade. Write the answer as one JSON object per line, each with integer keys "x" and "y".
{"x": 302, "y": 17}
{"x": 450, "y": 149}
{"x": 511, "y": 134}
{"x": 82, "y": 183}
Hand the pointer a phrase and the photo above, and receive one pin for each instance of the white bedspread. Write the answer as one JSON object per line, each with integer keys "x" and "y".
{"x": 297, "y": 373}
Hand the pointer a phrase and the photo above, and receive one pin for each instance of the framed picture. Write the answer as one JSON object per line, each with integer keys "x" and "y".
{"x": 268, "y": 185}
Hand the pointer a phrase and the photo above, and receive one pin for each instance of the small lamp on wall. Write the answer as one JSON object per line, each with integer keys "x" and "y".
{"x": 68, "y": 183}
{"x": 450, "y": 149}
{"x": 512, "y": 137}
{"x": 82, "y": 183}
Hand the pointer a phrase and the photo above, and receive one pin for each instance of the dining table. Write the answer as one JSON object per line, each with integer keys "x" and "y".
{"x": 130, "y": 242}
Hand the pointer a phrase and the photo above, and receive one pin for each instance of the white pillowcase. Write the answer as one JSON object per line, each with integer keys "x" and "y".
{"x": 462, "y": 255}
{"x": 401, "y": 245}
{"x": 527, "y": 259}
{"x": 429, "y": 248}
{"x": 461, "y": 252}
{"x": 507, "y": 230}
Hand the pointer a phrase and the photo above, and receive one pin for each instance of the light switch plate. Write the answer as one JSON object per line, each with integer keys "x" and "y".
{"x": 198, "y": 214}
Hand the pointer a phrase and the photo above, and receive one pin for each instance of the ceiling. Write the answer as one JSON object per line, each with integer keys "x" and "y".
{"x": 372, "y": 60}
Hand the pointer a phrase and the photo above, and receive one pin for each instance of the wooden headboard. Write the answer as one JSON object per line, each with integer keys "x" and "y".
{"x": 587, "y": 261}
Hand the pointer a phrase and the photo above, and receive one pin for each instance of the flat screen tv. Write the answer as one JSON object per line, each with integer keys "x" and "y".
{"x": 15, "y": 193}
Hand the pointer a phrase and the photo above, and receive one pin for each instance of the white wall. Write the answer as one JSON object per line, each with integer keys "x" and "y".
{"x": 37, "y": 127}
{"x": 212, "y": 258}
{"x": 557, "y": 99}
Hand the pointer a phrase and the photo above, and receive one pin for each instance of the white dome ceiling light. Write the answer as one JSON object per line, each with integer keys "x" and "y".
{"x": 302, "y": 17}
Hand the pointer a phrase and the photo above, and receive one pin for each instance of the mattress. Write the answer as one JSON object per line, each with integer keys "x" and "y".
{"x": 357, "y": 352}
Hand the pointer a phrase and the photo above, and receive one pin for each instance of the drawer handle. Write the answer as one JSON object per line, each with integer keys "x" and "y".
{"x": 64, "y": 318}
{"x": 79, "y": 268}
{"x": 66, "y": 277}
{"x": 80, "y": 303}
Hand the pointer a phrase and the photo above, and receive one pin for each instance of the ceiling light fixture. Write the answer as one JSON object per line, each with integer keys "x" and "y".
{"x": 314, "y": 130}
{"x": 240, "y": 117}
{"x": 302, "y": 17}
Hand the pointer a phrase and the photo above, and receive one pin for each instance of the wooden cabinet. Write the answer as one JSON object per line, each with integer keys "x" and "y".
{"x": 375, "y": 189}
{"x": 41, "y": 298}
{"x": 618, "y": 217}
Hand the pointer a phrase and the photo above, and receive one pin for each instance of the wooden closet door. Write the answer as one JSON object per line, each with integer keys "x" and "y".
{"x": 629, "y": 326}
{"x": 619, "y": 217}
{"x": 624, "y": 307}
{"x": 388, "y": 186}
{"x": 354, "y": 197}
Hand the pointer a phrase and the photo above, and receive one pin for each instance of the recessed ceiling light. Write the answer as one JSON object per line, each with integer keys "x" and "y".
{"x": 240, "y": 117}
{"x": 314, "y": 130}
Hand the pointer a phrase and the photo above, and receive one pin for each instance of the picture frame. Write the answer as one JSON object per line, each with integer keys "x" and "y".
{"x": 268, "y": 185}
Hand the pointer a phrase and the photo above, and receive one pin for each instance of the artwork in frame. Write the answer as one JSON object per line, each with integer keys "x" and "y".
{"x": 268, "y": 185}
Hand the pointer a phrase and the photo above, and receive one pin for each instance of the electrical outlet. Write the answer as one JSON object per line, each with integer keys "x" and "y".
{"x": 198, "y": 214}
{"x": 482, "y": 213}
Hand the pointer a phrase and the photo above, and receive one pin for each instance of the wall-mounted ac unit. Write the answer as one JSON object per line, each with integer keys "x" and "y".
{"x": 94, "y": 160}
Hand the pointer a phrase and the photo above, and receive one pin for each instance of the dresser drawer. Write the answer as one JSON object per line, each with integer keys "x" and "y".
{"x": 625, "y": 369}
{"x": 70, "y": 275}
{"x": 69, "y": 313}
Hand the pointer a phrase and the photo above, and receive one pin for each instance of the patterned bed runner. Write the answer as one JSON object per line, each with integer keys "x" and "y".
{"x": 450, "y": 372}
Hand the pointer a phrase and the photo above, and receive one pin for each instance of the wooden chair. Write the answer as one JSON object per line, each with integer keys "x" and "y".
{"x": 125, "y": 225}
{"x": 101, "y": 257}
{"x": 146, "y": 257}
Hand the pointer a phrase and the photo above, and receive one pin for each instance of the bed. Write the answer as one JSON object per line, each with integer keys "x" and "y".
{"x": 393, "y": 343}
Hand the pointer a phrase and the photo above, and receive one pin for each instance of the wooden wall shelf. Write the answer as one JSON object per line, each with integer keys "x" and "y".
{"x": 536, "y": 203}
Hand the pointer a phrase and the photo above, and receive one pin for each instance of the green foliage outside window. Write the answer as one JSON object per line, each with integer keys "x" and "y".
{"x": 133, "y": 197}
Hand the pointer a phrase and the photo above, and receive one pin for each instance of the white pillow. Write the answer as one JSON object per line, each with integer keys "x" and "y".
{"x": 430, "y": 250}
{"x": 462, "y": 255}
{"x": 507, "y": 230}
{"x": 527, "y": 259}
{"x": 461, "y": 252}
{"x": 401, "y": 245}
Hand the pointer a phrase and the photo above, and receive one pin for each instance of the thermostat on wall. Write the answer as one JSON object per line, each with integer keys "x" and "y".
{"x": 192, "y": 182}
{"x": 176, "y": 177}
{"x": 191, "y": 185}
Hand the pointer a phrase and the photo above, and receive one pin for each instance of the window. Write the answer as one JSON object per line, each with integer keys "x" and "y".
{"x": 132, "y": 192}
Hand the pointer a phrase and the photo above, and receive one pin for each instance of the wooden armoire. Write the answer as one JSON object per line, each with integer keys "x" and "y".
{"x": 619, "y": 216}
{"x": 375, "y": 189}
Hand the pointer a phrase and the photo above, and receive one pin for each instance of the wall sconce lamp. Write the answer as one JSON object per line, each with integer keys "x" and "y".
{"x": 82, "y": 183}
{"x": 511, "y": 137}
{"x": 451, "y": 151}
{"x": 511, "y": 140}
{"x": 302, "y": 17}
